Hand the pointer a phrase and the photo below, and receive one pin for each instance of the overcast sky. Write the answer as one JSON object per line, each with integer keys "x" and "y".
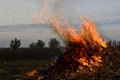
{"x": 16, "y": 18}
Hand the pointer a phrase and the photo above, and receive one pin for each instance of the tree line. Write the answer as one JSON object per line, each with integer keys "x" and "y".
{"x": 36, "y": 51}
{"x": 114, "y": 43}
{"x": 53, "y": 43}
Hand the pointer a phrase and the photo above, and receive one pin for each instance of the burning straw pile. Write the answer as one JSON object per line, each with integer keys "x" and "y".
{"x": 86, "y": 57}
{"x": 84, "y": 50}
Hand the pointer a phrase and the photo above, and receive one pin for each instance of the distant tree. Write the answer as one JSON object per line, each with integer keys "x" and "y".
{"x": 109, "y": 42}
{"x": 114, "y": 43}
{"x": 32, "y": 45}
{"x": 54, "y": 43}
{"x": 40, "y": 44}
{"x": 119, "y": 43}
{"x": 15, "y": 43}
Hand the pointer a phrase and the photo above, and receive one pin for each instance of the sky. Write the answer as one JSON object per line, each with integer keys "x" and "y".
{"x": 17, "y": 20}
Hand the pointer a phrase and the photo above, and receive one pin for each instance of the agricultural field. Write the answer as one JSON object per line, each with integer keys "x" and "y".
{"x": 16, "y": 64}
{"x": 13, "y": 70}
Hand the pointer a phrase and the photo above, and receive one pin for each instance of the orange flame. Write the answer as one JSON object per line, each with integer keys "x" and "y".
{"x": 88, "y": 36}
{"x": 32, "y": 73}
{"x": 69, "y": 33}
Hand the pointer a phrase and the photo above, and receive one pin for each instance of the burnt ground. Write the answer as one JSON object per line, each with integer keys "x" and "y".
{"x": 39, "y": 70}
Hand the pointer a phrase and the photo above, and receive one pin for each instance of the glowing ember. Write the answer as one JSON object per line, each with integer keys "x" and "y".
{"x": 32, "y": 73}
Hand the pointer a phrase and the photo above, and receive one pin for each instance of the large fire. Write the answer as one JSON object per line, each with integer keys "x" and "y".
{"x": 84, "y": 49}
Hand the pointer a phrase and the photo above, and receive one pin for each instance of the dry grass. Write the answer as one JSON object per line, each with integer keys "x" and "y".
{"x": 12, "y": 70}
